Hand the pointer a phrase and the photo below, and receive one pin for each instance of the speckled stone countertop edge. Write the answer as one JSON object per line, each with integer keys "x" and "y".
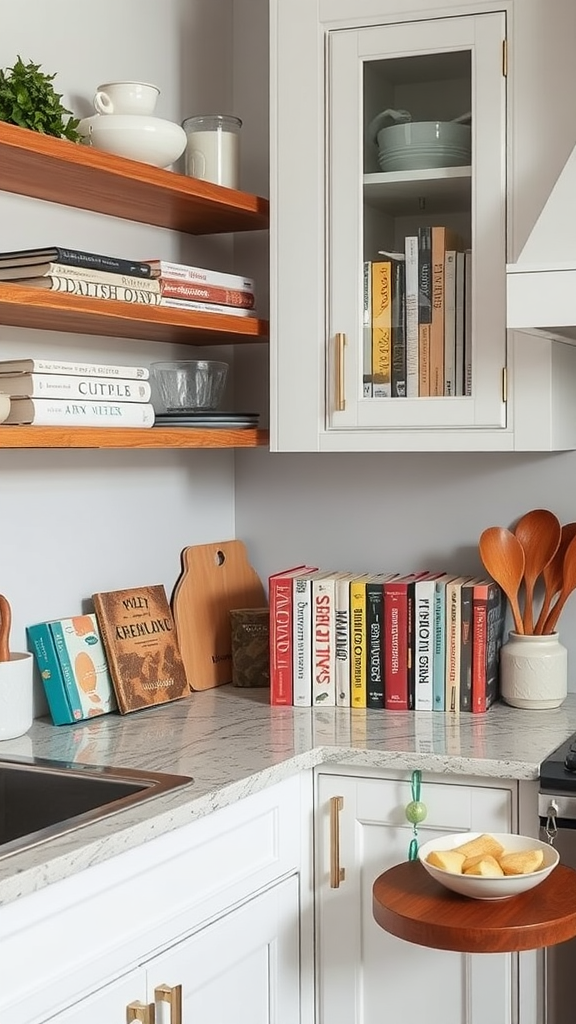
{"x": 232, "y": 743}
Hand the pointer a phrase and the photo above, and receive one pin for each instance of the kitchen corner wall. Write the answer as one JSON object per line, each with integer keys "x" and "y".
{"x": 73, "y": 522}
{"x": 376, "y": 511}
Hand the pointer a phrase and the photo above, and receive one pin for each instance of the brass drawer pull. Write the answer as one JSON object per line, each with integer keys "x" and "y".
{"x": 143, "y": 1012}
{"x": 340, "y": 345}
{"x": 337, "y": 874}
{"x": 171, "y": 994}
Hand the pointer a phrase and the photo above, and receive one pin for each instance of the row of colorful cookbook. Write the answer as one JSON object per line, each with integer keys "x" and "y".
{"x": 153, "y": 282}
{"x": 424, "y": 641}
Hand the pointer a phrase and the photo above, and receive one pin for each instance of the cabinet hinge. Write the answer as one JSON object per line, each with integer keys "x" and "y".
{"x": 505, "y": 57}
{"x": 504, "y": 384}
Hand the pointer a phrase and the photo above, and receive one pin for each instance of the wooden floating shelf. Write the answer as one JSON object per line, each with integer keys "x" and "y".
{"x": 129, "y": 437}
{"x": 72, "y": 174}
{"x": 75, "y": 314}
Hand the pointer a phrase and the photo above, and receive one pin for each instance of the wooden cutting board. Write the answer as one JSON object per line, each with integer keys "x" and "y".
{"x": 214, "y": 579}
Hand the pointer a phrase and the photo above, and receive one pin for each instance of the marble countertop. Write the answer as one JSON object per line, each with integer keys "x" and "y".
{"x": 232, "y": 743}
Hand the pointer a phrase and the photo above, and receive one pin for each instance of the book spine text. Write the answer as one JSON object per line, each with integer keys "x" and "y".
{"x": 175, "y": 289}
{"x": 323, "y": 643}
{"x": 60, "y": 412}
{"x": 302, "y": 641}
{"x": 95, "y": 290}
{"x": 382, "y": 329}
{"x": 281, "y": 640}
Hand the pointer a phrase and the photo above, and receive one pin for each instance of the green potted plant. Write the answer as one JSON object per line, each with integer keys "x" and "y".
{"x": 28, "y": 99}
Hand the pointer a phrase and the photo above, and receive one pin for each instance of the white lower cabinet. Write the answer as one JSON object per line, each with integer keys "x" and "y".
{"x": 241, "y": 969}
{"x": 108, "y": 1005}
{"x": 364, "y": 975}
{"x": 218, "y": 907}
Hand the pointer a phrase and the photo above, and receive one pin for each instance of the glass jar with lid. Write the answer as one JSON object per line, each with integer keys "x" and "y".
{"x": 212, "y": 148}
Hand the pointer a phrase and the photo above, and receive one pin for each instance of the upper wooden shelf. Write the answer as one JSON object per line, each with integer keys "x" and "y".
{"x": 32, "y": 164}
{"x": 128, "y": 437}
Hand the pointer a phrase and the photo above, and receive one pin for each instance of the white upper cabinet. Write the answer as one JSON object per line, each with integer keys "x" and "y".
{"x": 385, "y": 335}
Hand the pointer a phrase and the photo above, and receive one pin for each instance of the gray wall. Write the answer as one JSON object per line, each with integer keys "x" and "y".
{"x": 72, "y": 522}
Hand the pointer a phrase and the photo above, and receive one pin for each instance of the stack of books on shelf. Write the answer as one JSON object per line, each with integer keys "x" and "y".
{"x": 81, "y": 273}
{"x": 417, "y": 318}
{"x": 48, "y": 392}
{"x": 152, "y": 282}
{"x": 424, "y": 641}
{"x": 210, "y": 291}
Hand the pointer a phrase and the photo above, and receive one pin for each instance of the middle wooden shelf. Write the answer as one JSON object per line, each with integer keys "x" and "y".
{"x": 74, "y": 314}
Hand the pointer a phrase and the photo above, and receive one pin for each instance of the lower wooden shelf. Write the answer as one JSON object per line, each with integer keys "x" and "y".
{"x": 129, "y": 437}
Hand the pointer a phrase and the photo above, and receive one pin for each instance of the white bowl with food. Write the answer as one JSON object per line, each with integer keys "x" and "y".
{"x": 488, "y": 865}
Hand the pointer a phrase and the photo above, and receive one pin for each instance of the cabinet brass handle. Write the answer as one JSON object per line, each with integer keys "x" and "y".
{"x": 340, "y": 345}
{"x": 337, "y": 874}
{"x": 140, "y": 1011}
{"x": 171, "y": 994}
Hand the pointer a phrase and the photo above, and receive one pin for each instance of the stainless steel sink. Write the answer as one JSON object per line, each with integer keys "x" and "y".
{"x": 41, "y": 799}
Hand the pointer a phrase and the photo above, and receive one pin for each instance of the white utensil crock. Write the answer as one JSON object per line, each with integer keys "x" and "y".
{"x": 533, "y": 671}
{"x": 16, "y": 695}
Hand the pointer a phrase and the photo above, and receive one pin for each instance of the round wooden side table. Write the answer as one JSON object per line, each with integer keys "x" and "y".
{"x": 411, "y": 905}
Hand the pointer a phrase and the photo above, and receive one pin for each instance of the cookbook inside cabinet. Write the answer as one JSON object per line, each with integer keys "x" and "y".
{"x": 407, "y": 192}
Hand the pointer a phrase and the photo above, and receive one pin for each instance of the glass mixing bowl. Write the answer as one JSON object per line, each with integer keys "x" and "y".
{"x": 189, "y": 385}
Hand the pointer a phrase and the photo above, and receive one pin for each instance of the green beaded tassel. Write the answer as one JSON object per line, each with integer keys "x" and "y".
{"x": 415, "y": 812}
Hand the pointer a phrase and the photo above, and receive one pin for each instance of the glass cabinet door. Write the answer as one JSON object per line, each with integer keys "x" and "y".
{"x": 416, "y": 226}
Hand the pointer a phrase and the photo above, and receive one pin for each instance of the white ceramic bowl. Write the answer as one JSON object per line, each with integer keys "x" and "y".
{"x": 188, "y": 385}
{"x": 149, "y": 139}
{"x": 417, "y": 145}
{"x": 490, "y": 888}
{"x": 4, "y": 404}
{"x": 126, "y": 98}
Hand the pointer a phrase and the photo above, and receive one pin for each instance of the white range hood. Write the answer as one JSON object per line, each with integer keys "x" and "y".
{"x": 541, "y": 286}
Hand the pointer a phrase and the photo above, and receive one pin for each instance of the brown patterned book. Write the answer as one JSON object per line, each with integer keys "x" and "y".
{"x": 141, "y": 645}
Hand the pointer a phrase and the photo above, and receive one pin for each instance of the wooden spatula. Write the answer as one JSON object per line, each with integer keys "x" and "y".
{"x": 5, "y": 624}
{"x": 503, "y": 558}
{"x": 539, "y": 533}
{"x": 568, "y": 585}
{"x": 552, "y": 574}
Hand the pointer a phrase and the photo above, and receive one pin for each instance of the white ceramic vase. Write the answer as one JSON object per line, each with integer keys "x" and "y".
{"x": 533, "y": 671}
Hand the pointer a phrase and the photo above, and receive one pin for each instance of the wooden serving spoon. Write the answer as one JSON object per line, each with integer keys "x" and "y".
{"x": 5, "y": 623}
{"x": 568, "y": 585}
{"x": 552, "y": 574}
{"x": 503, "y": 558}
{"x": 539, "y": 532}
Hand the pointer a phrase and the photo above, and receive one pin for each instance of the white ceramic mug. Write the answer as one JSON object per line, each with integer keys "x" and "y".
{"x": 126, "y": 98}
{"x": 16, "y": 695}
